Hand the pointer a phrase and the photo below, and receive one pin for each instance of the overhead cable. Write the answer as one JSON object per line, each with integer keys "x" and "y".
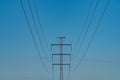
{"x": 35, "y": 25}
{"x": 97, "y": 27}
{"x": 40, "y": 26}
{"x": 34, "y": 41}
{"x": 87, "y": 29}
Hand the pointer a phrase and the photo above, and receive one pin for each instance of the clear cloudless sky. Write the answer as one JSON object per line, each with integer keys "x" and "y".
{"x": 18, "y": 56}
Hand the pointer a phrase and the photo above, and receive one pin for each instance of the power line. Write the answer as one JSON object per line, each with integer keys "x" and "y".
{"x": 53, "y": 70}
{"x": 97, "y": 27}
{"x": 83, "y": 27}
{"x": 40, "y": 26}
{"x": 89, "y": 24}
{"x": 35, "y": 25}
{"x": 34, "y": 41}
{"x": 69, "y": 72}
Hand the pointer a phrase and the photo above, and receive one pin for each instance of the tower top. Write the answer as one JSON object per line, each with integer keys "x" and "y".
{"x": 61, "y": 37}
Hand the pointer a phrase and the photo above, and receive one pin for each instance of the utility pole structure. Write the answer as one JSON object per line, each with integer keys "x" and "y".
{"x": 61, "y": 54}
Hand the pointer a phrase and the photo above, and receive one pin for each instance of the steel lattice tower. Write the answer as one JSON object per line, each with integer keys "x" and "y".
{"x": 61, "y": 54}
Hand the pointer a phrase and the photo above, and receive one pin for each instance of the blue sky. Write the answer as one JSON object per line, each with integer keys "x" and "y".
{"x": 18, "y": 56}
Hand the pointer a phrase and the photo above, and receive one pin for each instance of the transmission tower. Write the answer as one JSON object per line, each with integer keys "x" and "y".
{"x": 61, "y": 55}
